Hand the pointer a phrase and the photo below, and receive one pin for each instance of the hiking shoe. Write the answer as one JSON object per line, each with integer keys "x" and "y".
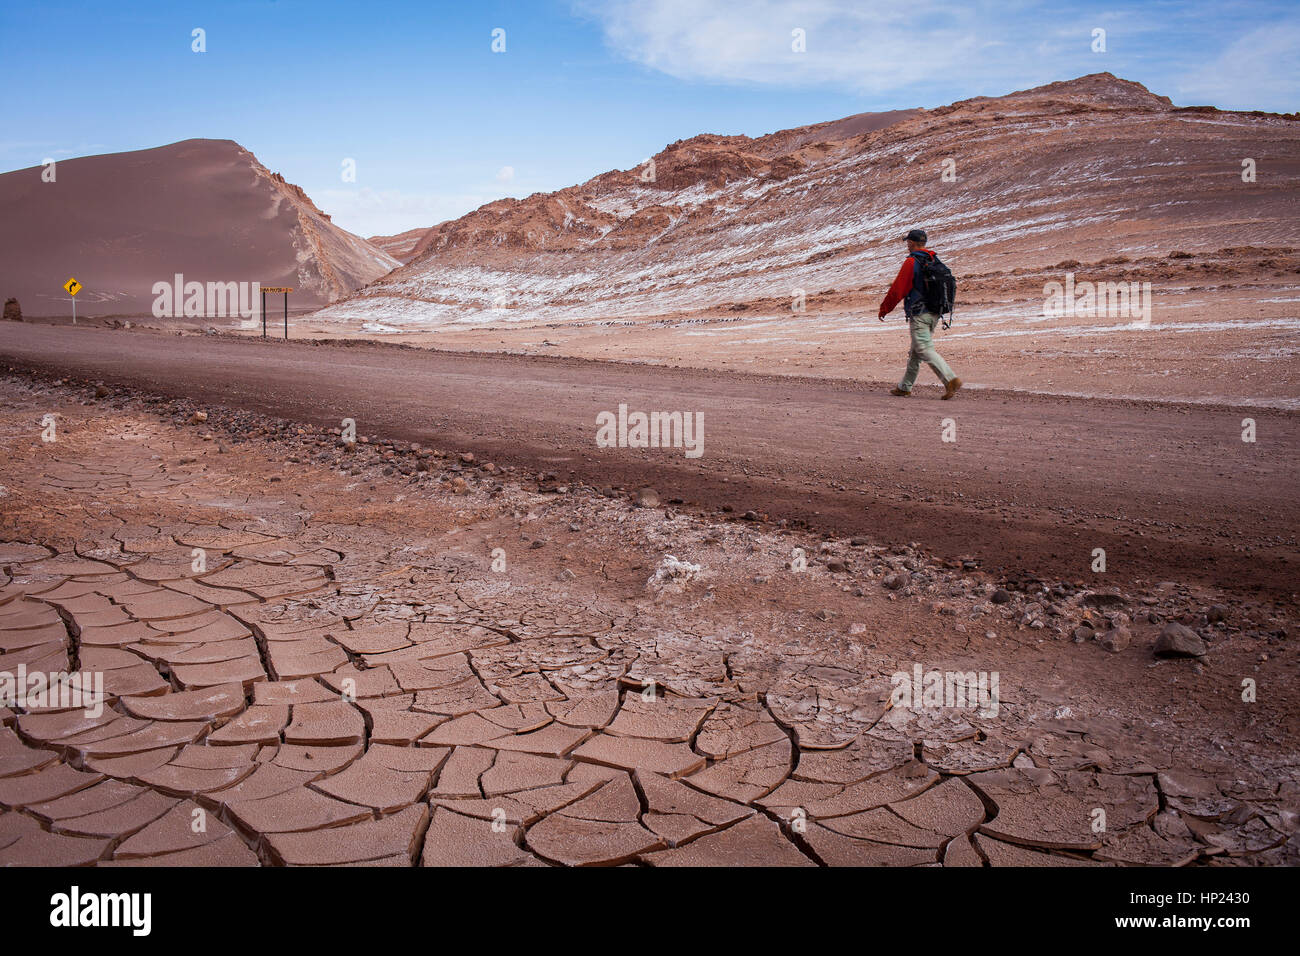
{"x": 898, "y": 391}
{"x": 950, "y": 388}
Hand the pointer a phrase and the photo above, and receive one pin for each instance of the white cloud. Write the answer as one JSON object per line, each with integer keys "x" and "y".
{"x": 1258, "y": 71}
{"x": 866, "y": 46}
{"x": 923, "y": 51}
{"x": 506, "y": 174}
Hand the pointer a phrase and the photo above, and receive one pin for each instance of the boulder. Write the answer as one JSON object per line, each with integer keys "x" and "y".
{"x": 1178, "y": 640}
{"x": 1116, "y": 639}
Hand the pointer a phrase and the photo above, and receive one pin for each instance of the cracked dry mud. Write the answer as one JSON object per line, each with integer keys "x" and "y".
{"x": 348, "y": 680}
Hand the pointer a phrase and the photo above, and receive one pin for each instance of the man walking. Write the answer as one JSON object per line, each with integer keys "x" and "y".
{"x": 907, "y": 288}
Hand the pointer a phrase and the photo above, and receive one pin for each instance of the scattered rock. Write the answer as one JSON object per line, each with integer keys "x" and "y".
{"x": 1116, "y": 639}
{"x": 897, "y": 580}
{"x": 1104, "y": 599}
{"x": 672, "y": 572}
{"x": 1178, "y": 640}
{"x": 647, "y": 498}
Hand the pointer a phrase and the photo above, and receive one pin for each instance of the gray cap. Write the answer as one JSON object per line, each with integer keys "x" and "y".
{"x": 916, "y": 235}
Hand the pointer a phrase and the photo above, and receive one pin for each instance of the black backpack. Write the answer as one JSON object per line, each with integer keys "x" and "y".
{"x": 937, "y": 286}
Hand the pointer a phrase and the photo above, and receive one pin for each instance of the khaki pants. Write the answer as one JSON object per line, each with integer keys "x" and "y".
{"x": 922, "y": 325}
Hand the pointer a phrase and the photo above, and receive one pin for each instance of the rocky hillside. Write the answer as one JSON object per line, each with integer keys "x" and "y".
{"x": 1091, "y": 169}
{"x": 402, "y": 246}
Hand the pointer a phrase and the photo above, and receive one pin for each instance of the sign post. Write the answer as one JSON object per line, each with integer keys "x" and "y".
{"x": 73, "y": 287}
{"x": 276, "y": 288}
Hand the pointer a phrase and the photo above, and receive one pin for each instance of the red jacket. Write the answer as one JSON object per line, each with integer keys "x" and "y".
{"x": 902, "y": 284}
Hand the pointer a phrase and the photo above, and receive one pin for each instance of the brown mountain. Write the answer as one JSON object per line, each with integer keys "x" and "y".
{"x": 1091, "y": 168}
{"x": 205, "y": 208}
{"x": 402, "y": 246}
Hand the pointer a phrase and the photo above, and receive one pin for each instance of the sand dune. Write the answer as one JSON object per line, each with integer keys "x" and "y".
{"x": 204, "y": 208}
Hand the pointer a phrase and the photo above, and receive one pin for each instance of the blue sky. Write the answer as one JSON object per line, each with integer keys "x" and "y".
{"x": 438, "y": 124}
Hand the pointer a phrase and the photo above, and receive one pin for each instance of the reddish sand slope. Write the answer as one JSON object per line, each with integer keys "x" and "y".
{"x": 402, "y": 246}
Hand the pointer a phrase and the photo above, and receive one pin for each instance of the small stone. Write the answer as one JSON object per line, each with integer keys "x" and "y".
{"x": 647, "y": 498}
{"x": 1104, "y": 599}
{"x": 1178, "y": 640}
{"x": 1116, "y": 639}
{"x": 1000, "y": 596}
{"x": 897, "y": 580}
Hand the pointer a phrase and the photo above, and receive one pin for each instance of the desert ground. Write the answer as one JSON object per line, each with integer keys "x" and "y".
{"x": 472, "y": 636}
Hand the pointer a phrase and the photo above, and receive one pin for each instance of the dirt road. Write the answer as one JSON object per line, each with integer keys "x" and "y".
{"x": 1031, "y": 485}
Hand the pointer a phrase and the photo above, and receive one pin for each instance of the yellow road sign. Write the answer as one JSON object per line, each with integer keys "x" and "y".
{"x": 73, "y": 286}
